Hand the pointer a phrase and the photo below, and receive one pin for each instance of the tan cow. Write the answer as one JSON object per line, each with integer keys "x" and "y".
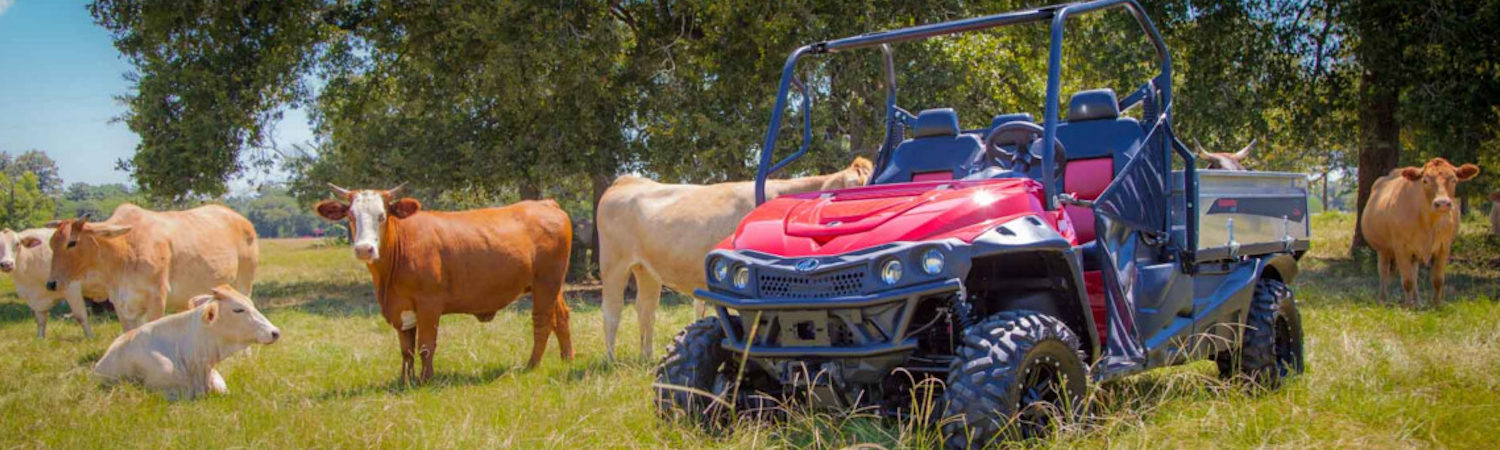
{"x": 154, "y": 261}
{"x": 1495, "y": 213}
{"x": 661, "y": 232}
{"x": 27, "y": 258}
{"x": 1410, "y": 219}
{"x": 1225, "y": 161}
{"x": 177, "y": 353}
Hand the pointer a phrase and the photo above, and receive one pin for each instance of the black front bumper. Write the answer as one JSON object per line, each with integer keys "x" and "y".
{"x": 857, "y": 326}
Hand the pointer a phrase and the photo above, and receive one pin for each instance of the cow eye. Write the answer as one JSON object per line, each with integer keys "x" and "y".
{"x": 72, "y": 244}
{"x": 239, "y": 310}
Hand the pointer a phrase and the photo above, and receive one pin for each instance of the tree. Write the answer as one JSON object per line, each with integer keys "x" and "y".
{"x": 24, "y": 205}
{"x": 38, "y": 163}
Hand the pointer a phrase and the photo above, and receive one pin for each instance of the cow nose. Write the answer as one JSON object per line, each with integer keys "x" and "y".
{"x": 51, "y": 285}
{"x": 364, "y": 251}
{"x": 7, "y": 266}
{"x": 1442, "y": 203}
{"x": 275, "y": 335}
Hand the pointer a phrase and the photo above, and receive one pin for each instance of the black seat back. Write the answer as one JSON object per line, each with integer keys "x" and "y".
{"x": 937, "y": 147}
{"x": 1094, "y": 128}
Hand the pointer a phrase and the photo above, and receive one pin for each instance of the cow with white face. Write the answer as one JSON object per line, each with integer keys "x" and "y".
{"x": 177, "y": 354}
{"x": 367, "y": 213}
{"x": 27, "y": 258}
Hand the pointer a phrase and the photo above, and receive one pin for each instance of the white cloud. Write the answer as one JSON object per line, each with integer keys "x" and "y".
{"x": 5, "y": 5}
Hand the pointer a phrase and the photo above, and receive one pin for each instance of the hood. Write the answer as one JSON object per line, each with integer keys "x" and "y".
{"x": 834, "y": 222}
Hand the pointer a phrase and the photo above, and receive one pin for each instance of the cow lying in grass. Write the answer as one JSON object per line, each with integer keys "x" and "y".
{"x": 1410, "y": 219}
{"x": 660, "y": 233}
{"x": 177, "y": 354}
{"x": 27, "y": 258}
{"x": 429, "y": 263}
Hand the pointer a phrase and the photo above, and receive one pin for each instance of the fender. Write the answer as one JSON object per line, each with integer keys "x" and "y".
{"x": 1031, "y": 235}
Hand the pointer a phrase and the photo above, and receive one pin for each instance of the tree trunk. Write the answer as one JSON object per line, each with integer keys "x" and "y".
{"x": 600, "y": 182}
{"x": 1379, "y": 134}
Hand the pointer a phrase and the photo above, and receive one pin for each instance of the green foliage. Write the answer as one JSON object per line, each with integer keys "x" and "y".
{"x": 36, "y": 162}
{"x": 275, "y": 214}
{"x": 22, "y": 203}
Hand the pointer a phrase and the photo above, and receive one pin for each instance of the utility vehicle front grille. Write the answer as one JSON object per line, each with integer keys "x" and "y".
{"x": 841, "y": 283}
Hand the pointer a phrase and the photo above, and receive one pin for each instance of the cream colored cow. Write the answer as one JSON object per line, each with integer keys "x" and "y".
{"x": 152, "y": 262}
{"x": 177, "y": 354}
{"x": 27, "y": 258}
{"x": 1410, "y": 220}
{"x": 661, "y": 232}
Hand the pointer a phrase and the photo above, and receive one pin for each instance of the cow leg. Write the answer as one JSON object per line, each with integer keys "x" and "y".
{"x": 542, "y": 318}
{"x": 76, "y": 305}
{"x": 408, "y": 354}
{"x": 1407, "y": 266}
{"x": 427, "y": 327}
{"x": 1385, "y": 262}
{"x": 41, "y": 323}
{"x": 615, "y": 278}
{"x": 1437, "y": 273}
{"x": 647, "y": 298}
{"x": 562, "y": 327}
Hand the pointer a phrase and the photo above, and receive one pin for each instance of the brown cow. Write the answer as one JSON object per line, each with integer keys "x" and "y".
{"x": 1410, "y": 219}
{"x": 429, "y": 263}
{"x": 1225, "y": 161}
{"x": 151, "y": 262}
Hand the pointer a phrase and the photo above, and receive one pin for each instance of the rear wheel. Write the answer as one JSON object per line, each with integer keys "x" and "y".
{"x": 1271, "y": 344}
{"x": 695, "y": 371}
{"x": 1015, "y": 374}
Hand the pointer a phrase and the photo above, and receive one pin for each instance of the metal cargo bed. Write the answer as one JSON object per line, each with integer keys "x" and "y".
{"x": 1245, "y": 213}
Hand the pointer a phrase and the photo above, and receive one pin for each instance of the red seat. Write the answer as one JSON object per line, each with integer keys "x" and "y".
{"x": 1086, "y": 179}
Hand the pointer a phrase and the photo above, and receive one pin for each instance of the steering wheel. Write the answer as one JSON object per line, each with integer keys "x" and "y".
{"x": 1021, "y": 134}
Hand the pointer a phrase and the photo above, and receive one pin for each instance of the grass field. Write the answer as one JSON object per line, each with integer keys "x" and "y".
{"x": 1378, "y": 376}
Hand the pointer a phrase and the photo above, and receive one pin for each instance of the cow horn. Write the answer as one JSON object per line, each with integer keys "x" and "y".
{"x": 1245, "y": 152}
{"x": 392, "y": 191}
{"x": 338, "y": 190}
{"x": 1199, "y": 146}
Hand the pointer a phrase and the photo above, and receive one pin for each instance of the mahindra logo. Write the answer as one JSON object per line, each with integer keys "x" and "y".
{"x": 807, "y": 265}
{"x": 833, "y": 224}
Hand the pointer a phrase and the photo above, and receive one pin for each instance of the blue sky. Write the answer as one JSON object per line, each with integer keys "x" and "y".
{"x": 59, "y": 76}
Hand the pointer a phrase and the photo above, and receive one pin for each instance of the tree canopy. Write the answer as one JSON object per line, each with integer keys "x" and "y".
{"x": 480, "y": 102}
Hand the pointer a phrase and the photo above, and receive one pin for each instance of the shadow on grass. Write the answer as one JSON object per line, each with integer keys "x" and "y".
{"x": 439, "y": 380}
{"x": 88, "y": 359}
{"x": 324, "y": 298}
{"x": 15, "y": 312}
{"x": 1473, "y": 274}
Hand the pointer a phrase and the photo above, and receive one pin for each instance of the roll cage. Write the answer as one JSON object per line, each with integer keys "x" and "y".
{"x": 1155, "y": 97}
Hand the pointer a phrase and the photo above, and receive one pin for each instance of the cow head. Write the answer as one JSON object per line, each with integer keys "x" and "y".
{"x": 855, "y": 175}
{"x": 1439, "y": 179}
{"x": 232, "y": 318}
{"x": 11, "y": 245}
{"x": 76, "y": 247}
{"x": 367, "y": 211}
{"x": 1225, "y": 161}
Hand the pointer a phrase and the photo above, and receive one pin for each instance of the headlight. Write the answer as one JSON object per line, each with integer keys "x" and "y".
{"x": 721, "y": 270}
{"x": 741, "y": 278}
{"x": 932, "y": 261}
{"x": 890, "y": 272}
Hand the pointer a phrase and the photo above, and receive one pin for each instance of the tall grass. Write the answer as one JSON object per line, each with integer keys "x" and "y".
{"x": 1377, "y": 376}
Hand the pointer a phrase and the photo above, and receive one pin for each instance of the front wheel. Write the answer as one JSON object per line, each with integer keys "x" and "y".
{"x": 1271, "y": 344}
{"x": 1013, "y": 375}
{"x": 693, "y": 379}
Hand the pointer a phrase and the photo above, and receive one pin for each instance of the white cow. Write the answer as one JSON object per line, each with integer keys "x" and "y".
{"x": 176, "y": 354}
{"x": 27, "y": 258}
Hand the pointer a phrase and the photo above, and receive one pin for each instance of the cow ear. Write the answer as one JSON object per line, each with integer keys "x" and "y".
{"x": 404, "y": 208}
{"x": 107, "y": 230}
{"x": 1467, "y": 172}
{"x": 52, "y": 224}
{"x": 1412, "y": 173}
{"x": 200, "y": 301}
{"x": 333, "y": 210}
{"x": 223, "y": 292}
{"x": 211, "y": 312}
{"x": 30, "y": 242}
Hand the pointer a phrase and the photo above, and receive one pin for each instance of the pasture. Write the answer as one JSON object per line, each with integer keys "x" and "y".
{"x": 1378, "y": 376}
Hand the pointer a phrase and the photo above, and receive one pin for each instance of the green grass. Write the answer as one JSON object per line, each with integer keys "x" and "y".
{"x": 1378, "y": 376}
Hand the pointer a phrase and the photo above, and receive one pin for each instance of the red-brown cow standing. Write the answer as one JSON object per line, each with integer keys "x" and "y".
{"x": 1411, "y": 219}
{"x": 429, "y": 263}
